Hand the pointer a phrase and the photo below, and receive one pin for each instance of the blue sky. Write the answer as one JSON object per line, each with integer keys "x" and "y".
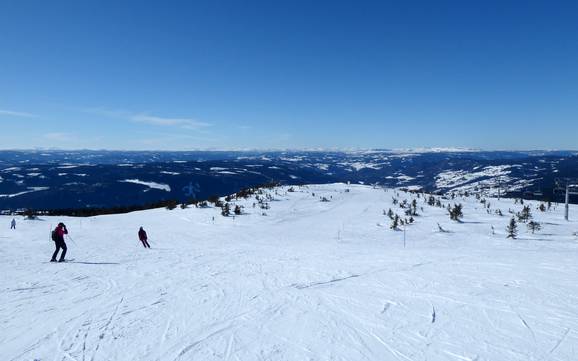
{"x": 288, "y": 74}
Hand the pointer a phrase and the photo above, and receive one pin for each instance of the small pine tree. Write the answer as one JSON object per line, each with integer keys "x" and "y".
{"x": 171, "y": 205}
{"x": 390, "y": 214}
{"x": 512, "y": 229}
{"x": 534, "y": 226}
{"x": 414, "y": 208}
{"x": 542, "y": 207}
{"x": 456, "y": 212}
{"x": 226, "y": 210}
{"x": 30, "y": 214}
{"x": 395, "y": 222}
{"x": 525, "y": 215}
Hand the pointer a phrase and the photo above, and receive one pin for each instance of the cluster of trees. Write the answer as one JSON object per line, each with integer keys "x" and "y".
{"x": 97, "y": 211}
{"x": 525, "y": 216}
{"x": 226, "y": 210}
{"x": 410, "y": 210}
{"x": 456, "y": 212}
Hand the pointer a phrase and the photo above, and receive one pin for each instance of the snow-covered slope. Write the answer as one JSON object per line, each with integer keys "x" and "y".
{"x": 309, "y": 280}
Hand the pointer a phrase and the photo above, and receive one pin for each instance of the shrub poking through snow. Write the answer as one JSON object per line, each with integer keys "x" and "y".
{"x": 441, "y": 229}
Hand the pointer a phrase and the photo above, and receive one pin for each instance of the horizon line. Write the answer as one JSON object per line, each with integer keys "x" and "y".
{"x": 305, "y": 149}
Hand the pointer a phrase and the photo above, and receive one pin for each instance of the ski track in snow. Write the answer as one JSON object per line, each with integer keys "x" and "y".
{"x": 310, "y": 281}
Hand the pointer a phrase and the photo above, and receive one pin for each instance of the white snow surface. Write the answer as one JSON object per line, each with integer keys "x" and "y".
{"x": 310, "y": 281}
{"x": 30, "y": 190}
{"x": 150, "y": 185}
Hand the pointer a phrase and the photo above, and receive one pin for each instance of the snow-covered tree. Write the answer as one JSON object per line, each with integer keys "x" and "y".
{"x": 512, "y": 229}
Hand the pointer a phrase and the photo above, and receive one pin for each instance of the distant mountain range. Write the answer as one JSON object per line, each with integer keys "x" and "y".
{"x": 80, "y": 179}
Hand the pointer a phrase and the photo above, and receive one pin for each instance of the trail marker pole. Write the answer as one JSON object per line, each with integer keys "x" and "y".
{"x": 567, "y": 200}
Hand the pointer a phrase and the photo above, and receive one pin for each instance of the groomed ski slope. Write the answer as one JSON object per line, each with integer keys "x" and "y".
{"x": 310, "y": 280}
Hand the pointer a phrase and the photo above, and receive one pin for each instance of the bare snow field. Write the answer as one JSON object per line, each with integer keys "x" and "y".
{"x": 309, "y": 280}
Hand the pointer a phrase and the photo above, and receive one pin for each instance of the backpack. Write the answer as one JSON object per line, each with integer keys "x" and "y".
{"x": 54, "y": 236}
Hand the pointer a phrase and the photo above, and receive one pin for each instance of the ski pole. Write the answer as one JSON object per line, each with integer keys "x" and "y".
{"x": 71, "y": 239}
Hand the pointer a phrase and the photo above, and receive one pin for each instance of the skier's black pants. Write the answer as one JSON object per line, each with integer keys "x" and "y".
{"x": 59, "y": 244}
{"x": 12, "y": 227}
{"x": 145, "y": 243}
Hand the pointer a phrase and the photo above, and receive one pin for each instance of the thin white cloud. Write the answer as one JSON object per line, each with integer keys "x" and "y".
{"x": 145, "y": 118}
{"x": 12, "y": 113}
{"x": 185, "y": 123}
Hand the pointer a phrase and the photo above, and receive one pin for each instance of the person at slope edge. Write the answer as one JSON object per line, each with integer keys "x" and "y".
{"x": 58, "y": 238}
{"x": 142, "y": 235}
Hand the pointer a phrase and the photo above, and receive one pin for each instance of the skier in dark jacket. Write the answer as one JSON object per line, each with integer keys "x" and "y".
{"x": 58, "y": 237}
{"x": 13, "y": 224}
{"x": 142, "y": 235}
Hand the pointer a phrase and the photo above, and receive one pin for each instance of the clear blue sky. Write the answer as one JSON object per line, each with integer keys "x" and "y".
{"x": 288, "y": 74}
